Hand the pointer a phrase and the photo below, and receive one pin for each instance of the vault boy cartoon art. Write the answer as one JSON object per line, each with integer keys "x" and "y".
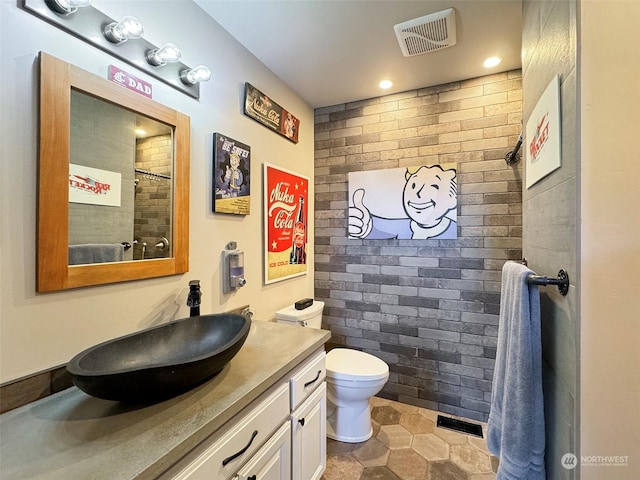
{"x": 404, "y": 203}
{"x": 233, "y": 177}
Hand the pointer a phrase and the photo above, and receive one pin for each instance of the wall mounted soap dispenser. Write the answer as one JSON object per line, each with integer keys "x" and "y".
{"x": 232, "y": 268}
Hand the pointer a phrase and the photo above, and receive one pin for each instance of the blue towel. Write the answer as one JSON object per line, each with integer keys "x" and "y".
{"x": 515, "y": 430}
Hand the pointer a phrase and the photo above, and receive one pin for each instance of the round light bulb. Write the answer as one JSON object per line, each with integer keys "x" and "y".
{"x": 168, "y": 53}
{"x": 67, "y": 6}
{"x": 126, "y": 29}
{"x": 201, "y": 73}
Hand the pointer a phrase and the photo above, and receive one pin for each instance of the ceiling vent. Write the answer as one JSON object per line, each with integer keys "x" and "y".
{"x": 427, "y": 34}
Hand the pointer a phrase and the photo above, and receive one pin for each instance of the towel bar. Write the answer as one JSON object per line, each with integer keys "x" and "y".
{"x": 152, "y": 175}
{"x": 562, "y": 281}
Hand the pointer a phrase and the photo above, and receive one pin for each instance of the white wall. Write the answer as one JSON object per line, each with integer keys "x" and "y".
{"x": 40, "y": 331}
{"x": 610, "y": 233}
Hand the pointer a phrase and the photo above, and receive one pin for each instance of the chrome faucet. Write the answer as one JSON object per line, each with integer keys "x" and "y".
{"x": 193, "y": 299}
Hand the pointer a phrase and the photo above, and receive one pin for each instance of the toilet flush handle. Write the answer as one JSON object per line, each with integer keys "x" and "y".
{"x": 303, "y": 323}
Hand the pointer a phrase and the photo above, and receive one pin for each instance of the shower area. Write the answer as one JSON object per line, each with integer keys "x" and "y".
{"x": 153, "y": 200}
{"x": 429, "y": 308}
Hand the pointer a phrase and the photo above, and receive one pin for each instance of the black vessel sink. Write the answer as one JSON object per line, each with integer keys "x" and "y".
{"x": 162, "y": 361}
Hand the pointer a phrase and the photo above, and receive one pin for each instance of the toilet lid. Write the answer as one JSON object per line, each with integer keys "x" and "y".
{"x": 347, "y": 364}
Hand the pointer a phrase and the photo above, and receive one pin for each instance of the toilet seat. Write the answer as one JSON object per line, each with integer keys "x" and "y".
{"x": 353, "y": 365}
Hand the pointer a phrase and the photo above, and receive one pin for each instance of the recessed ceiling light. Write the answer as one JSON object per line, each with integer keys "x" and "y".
{"x": 385, "y": 84}
{"x": 140, "y": 132}
{"x": 492, "y": 62}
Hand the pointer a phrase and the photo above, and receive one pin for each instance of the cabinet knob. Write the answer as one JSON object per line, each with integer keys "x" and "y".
{"x": 301, "y": 421}
{"x": 252, "y": 477}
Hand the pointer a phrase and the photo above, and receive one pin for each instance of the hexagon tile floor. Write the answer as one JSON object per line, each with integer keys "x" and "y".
{"x": 407, "y": 445}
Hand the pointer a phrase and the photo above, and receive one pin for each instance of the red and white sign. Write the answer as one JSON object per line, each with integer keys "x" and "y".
{"x": 543, "y": 135}
{"x": 129, "y": 81}
{"x": 286, "y": 223}
{"x": 94, "y": 186}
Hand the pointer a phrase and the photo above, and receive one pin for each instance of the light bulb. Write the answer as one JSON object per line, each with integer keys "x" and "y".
{"x": 66, "y": 7}
{"x": 168, "y": 53}
{"x": 201, "y": 73}
{"x": 491, "y": 62}
{"x": 126, "y": 29}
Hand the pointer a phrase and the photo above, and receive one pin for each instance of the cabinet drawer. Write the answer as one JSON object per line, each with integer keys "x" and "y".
{"x": 227, "y": 454}
{"x": 306, "y": 378}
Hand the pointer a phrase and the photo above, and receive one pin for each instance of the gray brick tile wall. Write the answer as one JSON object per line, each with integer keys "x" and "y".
{"x": 429, "y": 308}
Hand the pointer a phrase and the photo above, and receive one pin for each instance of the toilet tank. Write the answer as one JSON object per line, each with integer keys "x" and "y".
{"x": 308, "y": 317}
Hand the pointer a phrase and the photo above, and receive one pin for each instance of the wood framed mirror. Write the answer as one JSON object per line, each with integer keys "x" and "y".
{"x": 71, "y": 146}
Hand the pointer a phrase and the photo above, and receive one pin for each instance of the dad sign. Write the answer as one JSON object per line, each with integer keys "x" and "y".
{"x": 127, "y": 80}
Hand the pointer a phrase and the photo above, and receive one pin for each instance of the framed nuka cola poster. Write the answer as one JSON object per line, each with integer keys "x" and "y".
{"x": 286, "y": 214}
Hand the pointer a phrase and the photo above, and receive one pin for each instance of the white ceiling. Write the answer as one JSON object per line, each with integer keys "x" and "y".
{"x": 337, "y": 51}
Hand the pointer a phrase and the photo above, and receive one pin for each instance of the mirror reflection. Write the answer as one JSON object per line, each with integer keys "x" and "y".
{"x": 113, "y": 205}
{"x": 120, "y": 178}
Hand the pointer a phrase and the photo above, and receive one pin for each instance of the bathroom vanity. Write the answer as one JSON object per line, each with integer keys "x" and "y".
{"x": 262, "y": 417}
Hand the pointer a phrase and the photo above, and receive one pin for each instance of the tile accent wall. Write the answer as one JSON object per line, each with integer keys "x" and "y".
{"x": 153, "y": 200}
{"x": 429, "y": 308}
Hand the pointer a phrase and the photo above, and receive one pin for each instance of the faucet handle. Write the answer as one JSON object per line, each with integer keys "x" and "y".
{"x": 194, "y": 296}
{"x": 248, "y": 313}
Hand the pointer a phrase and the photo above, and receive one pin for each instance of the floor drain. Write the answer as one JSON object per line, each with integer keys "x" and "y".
{"x": 460, "y": 426}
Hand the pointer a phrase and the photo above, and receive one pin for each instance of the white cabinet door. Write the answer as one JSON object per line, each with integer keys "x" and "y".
{"x": 273, "y": 461}
{"x": 309, "y": 432}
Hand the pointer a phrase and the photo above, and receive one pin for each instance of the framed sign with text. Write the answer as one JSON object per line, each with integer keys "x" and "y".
{"x": 543, "y": 135}
{"x": 231, "y": 176}
{"x": 285, "y": 224}
{"x": 261, "y": 108}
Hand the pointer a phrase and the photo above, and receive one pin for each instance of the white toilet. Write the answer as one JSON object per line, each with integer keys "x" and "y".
{"x": 352, "y": 378}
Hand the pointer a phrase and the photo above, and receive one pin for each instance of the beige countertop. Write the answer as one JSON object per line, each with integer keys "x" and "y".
{"x": 73, "y": 436}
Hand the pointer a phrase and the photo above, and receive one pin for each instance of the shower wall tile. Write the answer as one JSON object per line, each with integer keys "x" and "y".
{"x": 429, "y": 308}
{"x": 549, "y": 222}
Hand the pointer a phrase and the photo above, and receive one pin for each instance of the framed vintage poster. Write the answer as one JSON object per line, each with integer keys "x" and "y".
{"x": 418, "y": 202}
{"x": 543, "y": 135}
{"x": 231, "y": 175}
{"x": 286, "y": 214}
{"x": 264, "y": 110}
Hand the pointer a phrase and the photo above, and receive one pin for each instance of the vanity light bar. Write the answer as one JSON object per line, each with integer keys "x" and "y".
{"x": 90, "y": 25}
